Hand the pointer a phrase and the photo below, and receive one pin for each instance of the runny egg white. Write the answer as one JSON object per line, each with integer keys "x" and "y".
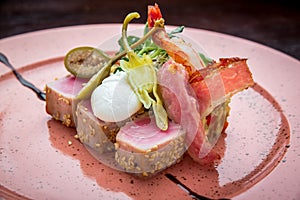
{"x": 114, "y": 100}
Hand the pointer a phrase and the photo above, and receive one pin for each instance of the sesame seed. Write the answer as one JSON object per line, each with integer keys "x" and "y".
{"x": 86, "y": 139}
{"x": 117, "y": 145}
{"x": 148, "y": 151}
{"x": 67, "y": 120}
{"x": 97, "y": 145}
{"x": 56, "y": 115}
{"x": 145, "y": 174}
{"x": 138, "y": 168}
{"x": 154, "y": 148}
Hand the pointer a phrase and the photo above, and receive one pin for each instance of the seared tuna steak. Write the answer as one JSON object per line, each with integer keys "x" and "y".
{"x": 93, "y": 132}
{"x": 144, "y": 149}
{"x": 60, "y": 99}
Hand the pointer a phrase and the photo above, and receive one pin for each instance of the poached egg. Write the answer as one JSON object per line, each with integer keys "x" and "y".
{"x": 114, "y": 100}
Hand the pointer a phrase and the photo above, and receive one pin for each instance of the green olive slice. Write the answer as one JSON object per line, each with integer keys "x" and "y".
{"x": 84, "y": 62}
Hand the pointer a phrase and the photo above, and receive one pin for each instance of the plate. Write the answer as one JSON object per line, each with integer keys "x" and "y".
{"x": 40, "y": 158}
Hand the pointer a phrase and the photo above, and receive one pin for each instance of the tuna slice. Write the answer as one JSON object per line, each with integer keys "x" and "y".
{"x": 93, "y": 132}
{"x": 189, "y": 101}
{"x": 142, "y": 148}
{"x": 60, "y": 98}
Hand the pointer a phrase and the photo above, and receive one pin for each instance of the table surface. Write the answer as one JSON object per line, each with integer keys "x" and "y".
{"x": 273, "y": 23}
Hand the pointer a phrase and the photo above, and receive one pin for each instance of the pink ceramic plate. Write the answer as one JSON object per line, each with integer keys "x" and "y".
{"x": 261, "y": 145}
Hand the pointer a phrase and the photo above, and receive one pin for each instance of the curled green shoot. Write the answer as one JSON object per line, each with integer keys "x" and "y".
{"x": 142, "y": 78}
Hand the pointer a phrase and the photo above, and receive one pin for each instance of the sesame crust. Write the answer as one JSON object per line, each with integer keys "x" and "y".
{"x": 59, "y": 107}
{"x": 154, "y": 160}
{"x": 92, "y": 131}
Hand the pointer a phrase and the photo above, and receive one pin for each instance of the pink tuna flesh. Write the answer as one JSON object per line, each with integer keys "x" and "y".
{"x": 60, "y": 99}
{"x": 143, "y": 135}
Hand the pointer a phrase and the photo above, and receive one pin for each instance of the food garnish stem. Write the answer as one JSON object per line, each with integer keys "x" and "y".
{"x": 142, "y": 77}
{"x": 87, "y": 90}
{"x": 128, "y": 18}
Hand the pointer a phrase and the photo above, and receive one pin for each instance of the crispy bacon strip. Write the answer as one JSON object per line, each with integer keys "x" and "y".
{"x": 235, "y": 76}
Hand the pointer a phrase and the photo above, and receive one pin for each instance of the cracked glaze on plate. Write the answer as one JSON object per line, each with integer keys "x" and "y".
{"x": 36, "y": 160}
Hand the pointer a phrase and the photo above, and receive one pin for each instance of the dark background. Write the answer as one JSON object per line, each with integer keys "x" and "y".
{"x": 273, "y": 23}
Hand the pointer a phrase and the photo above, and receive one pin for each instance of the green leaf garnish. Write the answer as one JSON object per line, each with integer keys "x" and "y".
{"x": 176, "y": 31}
{"x": 205, "y": 59}
{"x": 131, "y": 40}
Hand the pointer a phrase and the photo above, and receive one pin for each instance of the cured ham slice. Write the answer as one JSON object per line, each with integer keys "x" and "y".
{"x": 144, "y": 149}
{"x": 189, "y": 100}
{"x": 182, "y": 105}
{"x": 60, "y": 99}
{"x": 179, "y": 99}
